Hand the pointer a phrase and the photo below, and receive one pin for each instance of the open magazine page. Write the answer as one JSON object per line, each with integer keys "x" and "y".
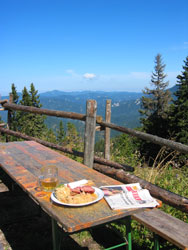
{"x": 128, "y": 196}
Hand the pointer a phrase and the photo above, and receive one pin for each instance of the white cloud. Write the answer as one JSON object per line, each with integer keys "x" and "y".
{"x": 89, "y": 76}
{"x": 70, "y": 71}
{"x": 183, "y": 46}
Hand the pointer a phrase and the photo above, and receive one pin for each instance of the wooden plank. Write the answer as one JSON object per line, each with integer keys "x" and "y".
{"x": 89, "y": 137}
{"x": 107, "y": 131}
{"x": 22, "y": 160}
{"x": 165, "y": 225}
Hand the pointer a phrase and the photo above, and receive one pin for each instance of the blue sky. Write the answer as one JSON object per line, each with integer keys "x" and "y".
{"x": 73, "y": 45}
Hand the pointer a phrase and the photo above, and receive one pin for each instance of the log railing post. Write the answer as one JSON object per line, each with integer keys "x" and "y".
{"x": 89, "y": 137}
{"x": 107, "y": 131}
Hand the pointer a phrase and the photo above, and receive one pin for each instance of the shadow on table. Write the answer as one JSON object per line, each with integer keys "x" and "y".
{"x": 24, "y": 228}
{"x": 23, "y": 225}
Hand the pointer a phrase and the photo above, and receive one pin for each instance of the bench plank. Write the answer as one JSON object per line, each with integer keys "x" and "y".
{"x": 165, "y": 225}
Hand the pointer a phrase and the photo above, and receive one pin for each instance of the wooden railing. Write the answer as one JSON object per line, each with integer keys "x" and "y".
{"x": 91, "y": 113}
{"x": 91, "y": 119}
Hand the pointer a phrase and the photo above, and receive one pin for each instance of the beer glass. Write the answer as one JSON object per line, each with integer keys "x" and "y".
{"x": 48, "y": 178}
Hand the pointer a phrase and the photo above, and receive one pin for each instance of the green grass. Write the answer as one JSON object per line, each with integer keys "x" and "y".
{"x": 165, "y": 174}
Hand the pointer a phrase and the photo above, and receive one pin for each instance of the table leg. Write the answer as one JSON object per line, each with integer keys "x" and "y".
{"x": 56, "y": 237}
{"x": 128, "y": 232}
{"x": 156, "y": 242}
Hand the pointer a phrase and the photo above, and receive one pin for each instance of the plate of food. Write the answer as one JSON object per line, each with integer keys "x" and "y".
{"x": 76, "y": 196}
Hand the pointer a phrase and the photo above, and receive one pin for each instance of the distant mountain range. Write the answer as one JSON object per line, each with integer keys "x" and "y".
{"x": 124, "y": 110}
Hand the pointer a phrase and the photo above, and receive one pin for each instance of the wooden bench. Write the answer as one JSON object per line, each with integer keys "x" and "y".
{"x": 164, "y": 225}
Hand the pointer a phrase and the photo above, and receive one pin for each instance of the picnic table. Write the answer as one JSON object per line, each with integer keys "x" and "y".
{"x": 22, "y": 162}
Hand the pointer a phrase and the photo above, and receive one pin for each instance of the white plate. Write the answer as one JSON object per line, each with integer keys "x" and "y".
{"x": 98, "y": 192}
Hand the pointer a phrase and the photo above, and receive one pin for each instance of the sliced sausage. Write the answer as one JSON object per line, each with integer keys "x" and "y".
{"x": 88, "y": 189}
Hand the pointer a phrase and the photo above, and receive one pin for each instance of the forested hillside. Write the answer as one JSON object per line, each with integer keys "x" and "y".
{"x": 125, "y": 106}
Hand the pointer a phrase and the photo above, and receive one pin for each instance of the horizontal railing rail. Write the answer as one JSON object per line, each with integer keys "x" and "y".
{"x": 40, "y": 111}
{"x": 148, "y": 137}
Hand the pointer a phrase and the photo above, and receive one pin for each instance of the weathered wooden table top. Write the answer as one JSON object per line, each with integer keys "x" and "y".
{"x": 22, "y": 162}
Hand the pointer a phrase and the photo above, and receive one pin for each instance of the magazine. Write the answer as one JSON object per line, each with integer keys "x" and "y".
{"x": 128, "y": 196}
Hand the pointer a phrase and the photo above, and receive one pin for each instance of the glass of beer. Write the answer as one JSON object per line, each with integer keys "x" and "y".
{"x": 48, "y": 178}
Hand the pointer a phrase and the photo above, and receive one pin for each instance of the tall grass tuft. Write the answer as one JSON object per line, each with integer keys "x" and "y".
{"x": 166, "y": 174}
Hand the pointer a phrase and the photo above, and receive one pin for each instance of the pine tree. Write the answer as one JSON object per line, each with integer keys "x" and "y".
{"x": 15, "y": 98}
{"x": 23, "y": 117}
{"x": 29, "y": 123}
{"x": 73, "y": 140}
{"x": 13, "y": 113}
{"x": 14, "y": 93}
{"x": 50, "y": 136}
{"x": 35, "y": 101}
{"x": 60, "y": 133}
{"x": 26, "y": 100}
{"x": 155, "y": 105}
{"x": 38, "y": 128}
{"x": 179, "y": 108}
{"x": 72, "y": 133}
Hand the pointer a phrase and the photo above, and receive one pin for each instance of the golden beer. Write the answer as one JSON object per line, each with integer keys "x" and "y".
{"x": 49, "y": 184}
{"x": 48, "y": 178}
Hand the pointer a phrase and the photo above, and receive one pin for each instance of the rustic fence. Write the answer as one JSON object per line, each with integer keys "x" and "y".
{"x": 103, "y": 165}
